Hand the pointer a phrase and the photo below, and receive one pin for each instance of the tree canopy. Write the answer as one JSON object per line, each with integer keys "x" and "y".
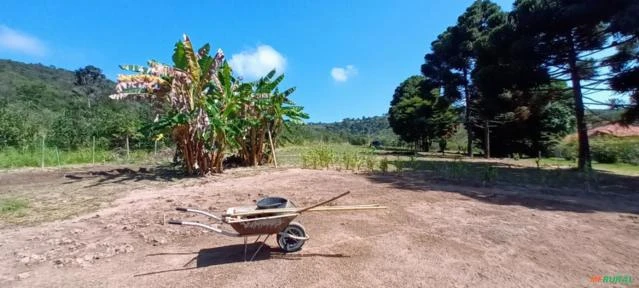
{"x": 518, "y": 72}
{"x": 418, "y": 114}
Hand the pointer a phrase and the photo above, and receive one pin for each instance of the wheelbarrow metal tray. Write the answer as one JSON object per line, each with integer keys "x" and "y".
{"x": 262, "y": 225}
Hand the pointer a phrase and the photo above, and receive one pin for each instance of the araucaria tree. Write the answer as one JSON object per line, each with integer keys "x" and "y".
{"x": 569, "y": 36}
{"x": 453, "y": 56}
{"x": 419, "y": 115}
{"x": 206, "y": 110}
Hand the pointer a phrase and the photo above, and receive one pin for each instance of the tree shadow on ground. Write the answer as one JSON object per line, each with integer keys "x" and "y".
{"x": 502, "y": 184}
{"x": 234, "y": 254}
{"x": 163, "y": 173}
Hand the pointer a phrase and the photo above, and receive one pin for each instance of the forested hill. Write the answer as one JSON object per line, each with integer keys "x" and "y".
{"x": 68, "y": 108}
{"x": 362, "y": 126}
{"x": 17, "y": 76}
{"x": 355, "y": 131}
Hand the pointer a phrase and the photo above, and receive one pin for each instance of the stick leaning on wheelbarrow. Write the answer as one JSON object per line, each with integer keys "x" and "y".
{"x": 255, "y": 222}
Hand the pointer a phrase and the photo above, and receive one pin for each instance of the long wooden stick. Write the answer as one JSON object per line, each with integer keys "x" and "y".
{"x": 272, "y": 146}
{"x": 345, "y": 208}
{"x": 324, "y": 202}
{"x": 316, "y": 209}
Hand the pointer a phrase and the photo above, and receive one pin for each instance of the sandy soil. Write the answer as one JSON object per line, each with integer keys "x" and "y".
{"x": 432, "y": 235}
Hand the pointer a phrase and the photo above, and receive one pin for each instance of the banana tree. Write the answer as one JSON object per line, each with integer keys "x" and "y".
{"x": 201, "y": 100}
{"x": 267, "y": 111}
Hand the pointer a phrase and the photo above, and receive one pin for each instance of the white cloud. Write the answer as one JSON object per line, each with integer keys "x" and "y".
{"x": 255, "y": 63}
{"x": 341, "y": 74}
{"x": 19, "y": 42}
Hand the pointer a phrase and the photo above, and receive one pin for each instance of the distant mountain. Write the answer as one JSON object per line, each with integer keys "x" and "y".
{"x": 358, "y": 126}
{"x": 599, "y": 117}
{"x": 38, "y": 100}
{"x": 358, "y": 131}
{"x": 55, "y": 87}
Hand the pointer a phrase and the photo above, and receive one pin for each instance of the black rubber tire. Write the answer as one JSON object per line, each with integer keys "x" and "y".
{"x": 288, "y": 244}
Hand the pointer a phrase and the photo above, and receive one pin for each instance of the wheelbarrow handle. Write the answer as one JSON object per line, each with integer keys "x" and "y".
{"x": 213, "y": 228}
{"x": 198, "y": 212}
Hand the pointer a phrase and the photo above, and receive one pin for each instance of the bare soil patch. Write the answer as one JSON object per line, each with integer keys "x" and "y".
{"x": 433, "y": 234}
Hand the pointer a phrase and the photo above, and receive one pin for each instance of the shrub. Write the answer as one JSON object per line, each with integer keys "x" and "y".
{"x": 357, "y": 140}
{"x": 604, "y": 153}
{"x": 629, "y": 152}
{"x": 605, "y": 150}
{"x": 567, "y": 151}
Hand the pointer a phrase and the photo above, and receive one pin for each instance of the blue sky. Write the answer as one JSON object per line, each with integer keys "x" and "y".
{"x": 344, "y": 57}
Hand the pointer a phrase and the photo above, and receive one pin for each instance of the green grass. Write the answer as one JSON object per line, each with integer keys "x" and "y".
{"x": 617, "y": 168}
{"x": 15, "y": 158}
{"x": 552, "y": 173}
{"x": 13, "y": 206}
{"x": 508, "y": 172}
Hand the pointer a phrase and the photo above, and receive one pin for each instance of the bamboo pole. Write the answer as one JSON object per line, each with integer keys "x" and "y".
{"x": 324, "y": 202}
{"x": 272, "y": 147}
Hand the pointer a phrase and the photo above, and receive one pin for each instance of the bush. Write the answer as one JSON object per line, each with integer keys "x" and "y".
{"x": 357, "y": 140}
{"x": 604, "y": 153}
{"x": 604, "y": 150}
{"x": 629, "y": 152}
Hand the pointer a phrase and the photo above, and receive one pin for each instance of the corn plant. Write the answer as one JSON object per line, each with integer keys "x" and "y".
{"x": 383, "y": 165}
{"x": 349, "y": 160}
{"x": 359, "y": 161}
{"x": 370, "y": 162}
{"x": 399, "y": 165}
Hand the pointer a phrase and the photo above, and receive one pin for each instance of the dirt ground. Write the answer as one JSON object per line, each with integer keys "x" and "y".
{"x": 433, "y": 234}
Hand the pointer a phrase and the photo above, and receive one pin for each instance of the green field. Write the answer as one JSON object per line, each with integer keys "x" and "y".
{"x": 16, "y": 158}
{"x": 551, "y": 172}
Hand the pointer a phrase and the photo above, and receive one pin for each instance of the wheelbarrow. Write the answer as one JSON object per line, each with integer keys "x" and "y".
{"x": 271, "y": 216}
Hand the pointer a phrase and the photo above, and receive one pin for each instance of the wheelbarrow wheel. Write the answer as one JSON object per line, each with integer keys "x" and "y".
{"x": 289, "y": 244}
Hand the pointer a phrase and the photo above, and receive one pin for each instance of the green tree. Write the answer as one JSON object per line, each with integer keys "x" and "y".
{"x": 88, "y": 81}
{"x": 418, "y": 114}
{"x": 567, "y": 35}
{"x": 454, "y": 56}
{"x": 625, "y": 62}
{"x": 15, "y": 129}
{"x": 71, "y": 129}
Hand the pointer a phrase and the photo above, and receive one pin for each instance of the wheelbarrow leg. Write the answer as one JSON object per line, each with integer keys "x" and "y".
{"x": 258, "y": 249}
{"x": 245, "y": 248}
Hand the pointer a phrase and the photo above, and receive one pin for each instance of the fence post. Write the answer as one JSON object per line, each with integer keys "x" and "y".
{"x": 155, "y": 151}
{"x": 93, "y": 151}
{"x": 127, "y": 147}
{"x": 487, "y": 140}
{"x": 42, "y": 162}
{"x": 57, "y": 155}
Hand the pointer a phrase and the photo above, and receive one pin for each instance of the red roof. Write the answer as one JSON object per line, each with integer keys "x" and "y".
{"x": 615, "y": 129}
